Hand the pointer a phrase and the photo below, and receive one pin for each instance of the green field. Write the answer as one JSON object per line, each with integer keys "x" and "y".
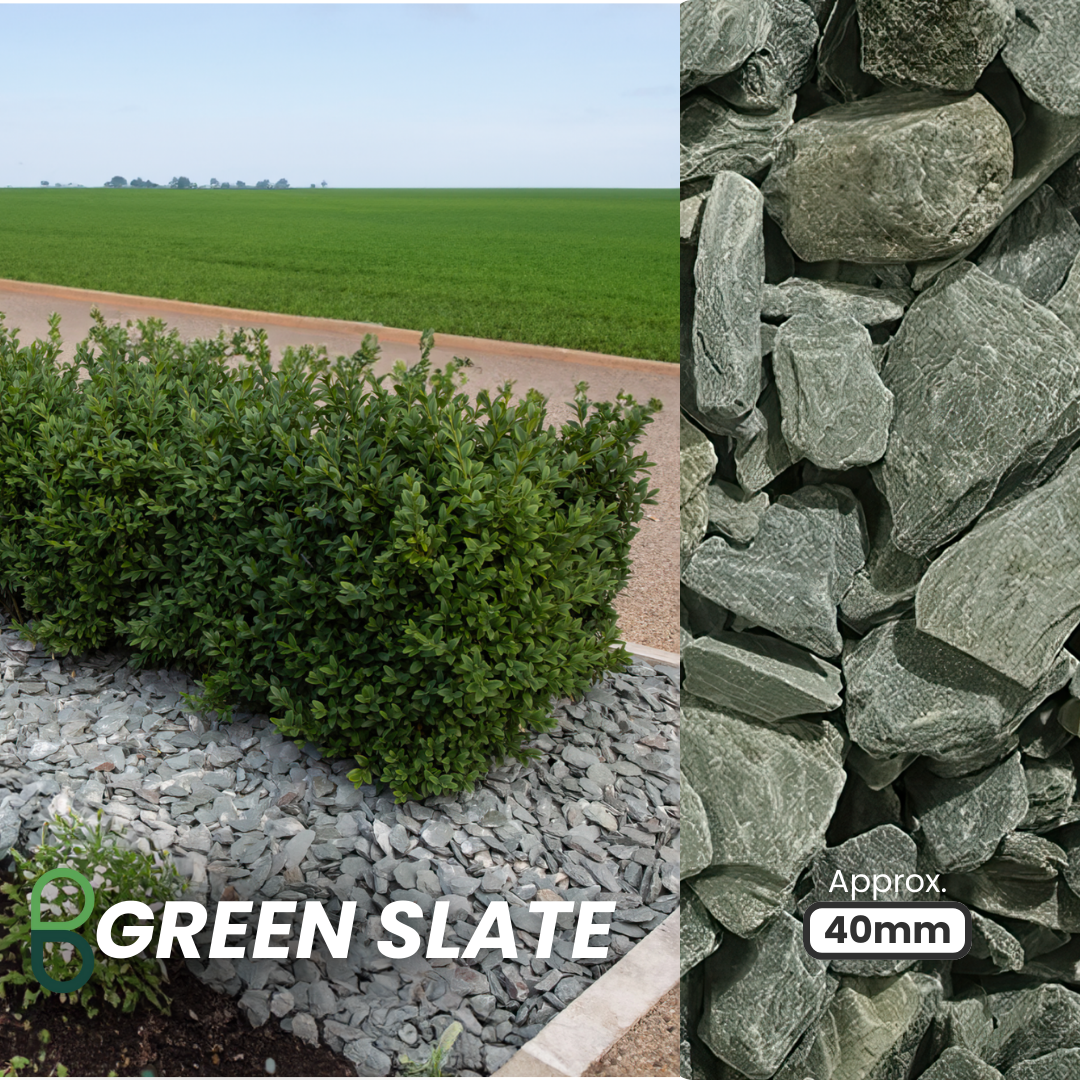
{"x": 584, "y": 269}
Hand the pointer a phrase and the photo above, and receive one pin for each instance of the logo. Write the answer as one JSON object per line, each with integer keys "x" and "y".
{"x": 41, "y": 933}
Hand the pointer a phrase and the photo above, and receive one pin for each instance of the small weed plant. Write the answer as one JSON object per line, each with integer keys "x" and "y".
{"x": 432, "y": 1065}
{"x": 398, "y": 572}
{"x": 116, "y": 873}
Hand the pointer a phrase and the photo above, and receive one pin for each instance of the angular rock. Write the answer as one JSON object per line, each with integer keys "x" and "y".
{"x": 760, "y": 676}
{"x": 963, "y": 819}
{"x": 761, "y": 454}
{"x": 872, "y": 1028}
{"x": 839, "y": 68}
{"x": 804, "y": 296}
{"x": 1057, "y": 1065}
{"x": 990, "y": 940}
{"x": 790, "y": 579}
{"x": 696, "y": 847}
{"x": 1034, "y": 247}
{"x": 908, "y": 693}
{"x": 733, "y": 512}
{"x": 716, "y": 36}
{"x": 771, "y": 74}
{"x": 986, "y": 383}
{"x": 836, "y": 410}
{"x": 944, "y": 46}
{"x": 956, "y": 1063}
{"x": 692, "y": 198}
{"x": 699, "y": 935}
{"x": 1065, "y": 303}
{"x": 884, "y": 850}
{"x": 1051, "y": 786}
{"x": 1022, "y": 881}
{"x": 1029, "y": 1021}
{"x": 1003, "y": 594}
{"x": 877, "y": 773}
{"x": 1066, "y": 182}
{"x": 785, "y": 779}
{"x": 697, "y": 460}
{"x": 1043, "y": 733}
{"x": 775, "y": 966}
{"x": 724, "y": 379}
{"x": 693, "y": 525}
{"x": 714, "y": 137}
{"x": 1043, "y": 52}
{"x": 861, "y": 808}
{"x": 843, "y": 182}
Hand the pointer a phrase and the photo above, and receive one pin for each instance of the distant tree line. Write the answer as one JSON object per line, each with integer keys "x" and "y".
{"x": 184, "y": 182}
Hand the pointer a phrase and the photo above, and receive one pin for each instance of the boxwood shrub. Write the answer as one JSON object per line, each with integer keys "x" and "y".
{"x": 398, "y": 572}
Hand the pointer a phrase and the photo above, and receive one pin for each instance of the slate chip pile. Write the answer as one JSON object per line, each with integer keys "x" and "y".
{"x": 880, "y": 535}
{"x": 248, "y": 815}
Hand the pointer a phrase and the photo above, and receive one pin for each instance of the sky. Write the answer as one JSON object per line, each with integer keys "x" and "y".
{"x": 358, "y": 95}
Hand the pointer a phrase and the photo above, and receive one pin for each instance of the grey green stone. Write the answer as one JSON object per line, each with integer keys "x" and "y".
{"x": 768, "y": 791}
{"x": 855, "y": 182}
{"x": 1004, "y": 593}
{"x": 699, "y": 935}
{"x": 714, "y": 137}
{"x": 761, "y": 454}
{"x": 863, "y": 303}
{"x": 962, "y": 819}
{"x": 1043, "y": 52}
{"x": 986, "y": 384}
{"x": 716, "y": 36}
{"x": 956, "y": 1063}
{"x": 759, "y": 676}
{"x": 772, "y": 966}
{"x": 733, "y": 512}
{"x": 1051, "y": 786}
{"x": 1029, "y": 1021}
{"x": 790, "y": 579}
{"x": 697, "y": 460}
{"x": 695, "y": 844}
{"x": 1057, "y": 1065}
{"x": 944, "y": 45}
{"x": 1034, "y": 247}
{"x": 991, "y": 941}
{"x": 836, "y": 410}
{"x": 693, "y": 524}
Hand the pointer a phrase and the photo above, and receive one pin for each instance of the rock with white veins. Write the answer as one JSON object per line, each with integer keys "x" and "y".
{"x": 962, "y": 819}
{"x": 715, "y": 137}
{"x": 1005, "y": 593}
{"x": 693, "y": 524}
{"x": 986, "y": 384}
{"x": 1027, "y": 1021}
{"x": 1057, "y": 1065}
{"x": 867, "y": 305}
{"x": 699, "y": 935}
{"x": 761, "y": 454}
{"x": 991, "y": 941}
{"x": 908, "y": 693}
{"x": 733, "y": 512}
{"x": 759, "y": 676}
{"x": 856, "y": 181}
{"x": 725, "y": 375}
{"x": 697, "y": 460}
{"x": 958, "y": 1063}
{"x": 1051, "y": 785}
{"x": 780, "y": 67}
{"x": 791, "y": 578}
{"x": 1043, "y": 52}
{"x": 943, "y": 44}
{"x": 696, "y": 843}
{"x": 773, "y": 966}
{"x": 1065, "y": 303}
{"x": 716, "y": 36}
{"x": 768, "y": 791}
{"x": 1034, "y": 247}
{"x": 836, "y": 410}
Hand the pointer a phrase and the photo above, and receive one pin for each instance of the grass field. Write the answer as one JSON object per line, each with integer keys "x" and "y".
{"x": 584, "y": 269}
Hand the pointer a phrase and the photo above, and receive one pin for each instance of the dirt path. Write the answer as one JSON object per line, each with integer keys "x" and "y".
{"x": 648, "y": 607}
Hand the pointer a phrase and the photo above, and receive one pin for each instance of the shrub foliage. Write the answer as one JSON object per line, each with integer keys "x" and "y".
{"x": 398, "y": 572}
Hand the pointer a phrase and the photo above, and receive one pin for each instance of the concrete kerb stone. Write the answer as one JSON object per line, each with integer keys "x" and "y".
{"x": 587, "y": 1028}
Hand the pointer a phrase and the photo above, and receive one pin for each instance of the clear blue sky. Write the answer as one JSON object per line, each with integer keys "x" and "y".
{"x": 359, "y": 95}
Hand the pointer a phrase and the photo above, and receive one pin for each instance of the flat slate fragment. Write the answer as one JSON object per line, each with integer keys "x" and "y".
{"x": 790, "y": 579}
{"x": 724, "y": 378}
{"x": 962, "y": 819}
{"x": 772, "y": 73}
{"x": 693, "y": 524}
{"x": 990, "y": 940}
{"x": 986, "y": 383}
{"x": 836, "y": 410}
{"x": 716, "y": 36}
{"x": 760, "y": 997}
{"x": 733, "y": 512}
{"x": 1043, "y": 52}
{"x": 1051, "y": 785}
{"x": 1030, "y": 1021}
{"x": 714, "y": 137}
{"x": 1057, "y": 1065}
{"x": 1005, "y": 592}
{"x": 1065, "y": 303}
{"x": 855, "y": 182}
{"x": 944, "y": 45}
{"x": 695, "y": 841}
{"x": 697, "y": 460}
{"x": 1034, "y": 247}
{"x": 768, "y": 791}
{"x": 863, "y": 303}
{"x": 760, "y": 676}
{"x": 908, "y": 693}
{"x": 761, "y": 454}
{"x": 699, "y": 936}
{"x": 956, "y": 1063}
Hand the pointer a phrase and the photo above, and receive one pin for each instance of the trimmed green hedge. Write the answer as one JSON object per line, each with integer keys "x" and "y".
{"x": 396, "y": 572}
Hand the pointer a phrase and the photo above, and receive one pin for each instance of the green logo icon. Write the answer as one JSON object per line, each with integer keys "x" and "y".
{"x": 42, "y": 932}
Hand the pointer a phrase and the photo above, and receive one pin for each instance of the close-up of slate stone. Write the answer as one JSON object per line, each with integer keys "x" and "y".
{"x": 880, "y": 542}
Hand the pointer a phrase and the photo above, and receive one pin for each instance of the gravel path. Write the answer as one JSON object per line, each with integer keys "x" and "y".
{"x": 249, "y": 815}
{"x": 649, "y": 606}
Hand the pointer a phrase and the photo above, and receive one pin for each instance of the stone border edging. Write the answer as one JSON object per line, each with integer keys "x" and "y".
{"x": 653, "y": 656}
{"x": 590, "y": 1025}
{"x": 312, "y": 322}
